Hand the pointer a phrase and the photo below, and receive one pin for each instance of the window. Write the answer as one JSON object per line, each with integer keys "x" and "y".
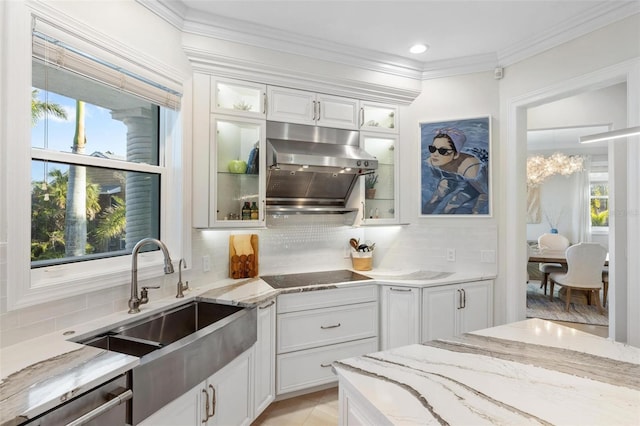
{"x": 120, "y": 176}
{"x": 95, "y": 172}
{"x": 599, "y": 201}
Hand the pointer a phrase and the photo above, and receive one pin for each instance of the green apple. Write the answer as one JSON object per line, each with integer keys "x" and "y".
{"x": 237, "y": 166}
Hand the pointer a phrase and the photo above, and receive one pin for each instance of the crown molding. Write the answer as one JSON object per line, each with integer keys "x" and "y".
{"x": 208, "y": 25}
{"x": 205, "y": 61}
{"x": 595, "y": 18}
{"x": 458, "y": 66}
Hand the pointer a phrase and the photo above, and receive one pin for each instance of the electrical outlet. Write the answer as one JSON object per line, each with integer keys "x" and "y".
{"x": 488, "y": 256}
{"x": 206, "y": 263}
{"x": 451, "y": 255}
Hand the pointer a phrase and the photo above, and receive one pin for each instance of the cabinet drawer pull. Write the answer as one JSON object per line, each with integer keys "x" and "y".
{"x": 266, "y": 306}
{"x": 325, "y": 365}
{"x": 329, "y": 326}
{"x": 459, "y": 299}
{"x": 464, "y": 298}
{"x": 400, "y": 289}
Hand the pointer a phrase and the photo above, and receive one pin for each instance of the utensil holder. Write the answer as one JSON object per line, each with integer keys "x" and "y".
{"x": 362, "y": 261}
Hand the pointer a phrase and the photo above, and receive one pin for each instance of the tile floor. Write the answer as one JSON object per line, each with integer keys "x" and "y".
{"x": 321, "y": 408}
{"x": 313, "y": 409}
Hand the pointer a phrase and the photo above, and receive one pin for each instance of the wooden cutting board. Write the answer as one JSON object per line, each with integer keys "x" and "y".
{"x": 243, "y": 256}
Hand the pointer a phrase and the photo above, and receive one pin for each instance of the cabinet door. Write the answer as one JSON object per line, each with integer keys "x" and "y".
{"x": 338, "y": 112}
{"x": 440, "y": 307}
{"x": 238, "y": 98}
{"x": 184, "y": 410}
{"x": 291, "y": 105}
{"x": 230, "y": 391}
{"x": 265, "y": 358}
{"x": 477, "y": 311}
{"x": 377, "y": 117}
{"x": 381, "y": 187}
{"x": 237, "y": 143}
{"x": 400, "y": 316}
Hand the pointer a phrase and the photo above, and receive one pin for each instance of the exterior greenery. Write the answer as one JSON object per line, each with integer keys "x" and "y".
{"x": 599, "y": 205}
{"x": 102, "y": 218}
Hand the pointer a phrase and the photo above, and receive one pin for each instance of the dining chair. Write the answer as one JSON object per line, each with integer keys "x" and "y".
{"x": 551, "y": 242}
{"x": 585, "y": 262}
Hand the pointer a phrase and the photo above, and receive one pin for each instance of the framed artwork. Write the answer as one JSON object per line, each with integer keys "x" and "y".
{"x": 455, "y": 167}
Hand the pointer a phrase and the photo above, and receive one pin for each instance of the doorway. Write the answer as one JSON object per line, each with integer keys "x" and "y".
{"x": 514, "y": 164}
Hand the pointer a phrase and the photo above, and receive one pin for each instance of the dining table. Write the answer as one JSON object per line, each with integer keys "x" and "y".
{"x": 553, "y": 256}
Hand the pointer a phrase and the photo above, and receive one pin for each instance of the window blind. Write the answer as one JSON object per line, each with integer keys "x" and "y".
{"x": 52, "y": 51}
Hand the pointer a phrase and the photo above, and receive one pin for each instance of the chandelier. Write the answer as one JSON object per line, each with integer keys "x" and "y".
{"x": 539, "y": 167}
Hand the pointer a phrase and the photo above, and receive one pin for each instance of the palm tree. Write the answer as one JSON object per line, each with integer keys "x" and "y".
{"x": 76, "y": 208}
{"x": 39, "y": 108}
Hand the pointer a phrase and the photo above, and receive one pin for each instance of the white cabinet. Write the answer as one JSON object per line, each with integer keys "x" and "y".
{"x": 399, "y": 316}
{"x": 378, "y": 117}
{"x": 240, "y": 98}
{"x": 454, "y": 309}
{"x": 222, "y": 399}
{"x": 224, "y": 148}
{"x": 265, "y": 358}
{"x": 302, "y": 107}
{"x": 380, "y": 194}
{"x": 316, "y": 328}
{"x": 236, "y": 140}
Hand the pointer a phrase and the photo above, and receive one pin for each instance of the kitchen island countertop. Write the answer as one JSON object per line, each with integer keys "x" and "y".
{"x": 528, "y": 372}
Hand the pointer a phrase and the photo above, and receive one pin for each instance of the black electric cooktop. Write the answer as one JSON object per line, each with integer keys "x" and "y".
{"x": 313, "y": 278}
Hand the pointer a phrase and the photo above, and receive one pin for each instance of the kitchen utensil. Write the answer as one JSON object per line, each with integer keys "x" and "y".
{"x": 354, "y": 243}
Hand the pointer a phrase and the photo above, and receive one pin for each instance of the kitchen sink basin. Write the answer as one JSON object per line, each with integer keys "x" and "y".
{"x": 168, "y": 327}
{"x": 123, "y": 345}
{"x": 178, "y": 349}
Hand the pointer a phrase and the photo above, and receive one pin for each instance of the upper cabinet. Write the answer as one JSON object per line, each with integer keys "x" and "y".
{"x": 237, "y": 162}
{"x": 238, "y": 98}
{"x": 228, "y": 154}
{"x": 301, "y": 107}
{"x": 377, "y": 117}
{"x": 380, "y": 195}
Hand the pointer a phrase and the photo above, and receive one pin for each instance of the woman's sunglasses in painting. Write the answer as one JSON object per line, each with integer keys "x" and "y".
{"x": 441, "y": 151}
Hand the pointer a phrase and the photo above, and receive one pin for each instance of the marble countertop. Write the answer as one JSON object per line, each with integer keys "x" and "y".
{"x": 527, "y": 372}
{"x": 28, "y": 369}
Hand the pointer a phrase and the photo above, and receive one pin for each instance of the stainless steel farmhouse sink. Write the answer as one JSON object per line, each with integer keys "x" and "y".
{"x": 178, "y": 348}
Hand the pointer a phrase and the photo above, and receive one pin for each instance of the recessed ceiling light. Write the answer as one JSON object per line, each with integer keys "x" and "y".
{"x": 418, "y": 48}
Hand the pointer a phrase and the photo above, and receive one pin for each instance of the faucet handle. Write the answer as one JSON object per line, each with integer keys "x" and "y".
{"x": 144, "y": 294}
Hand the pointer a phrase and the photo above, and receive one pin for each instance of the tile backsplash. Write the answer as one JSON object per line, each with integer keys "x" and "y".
{"x": 294, "y": 244}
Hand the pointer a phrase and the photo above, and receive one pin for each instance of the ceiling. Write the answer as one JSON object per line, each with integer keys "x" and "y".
{"x": 495, "y": 33}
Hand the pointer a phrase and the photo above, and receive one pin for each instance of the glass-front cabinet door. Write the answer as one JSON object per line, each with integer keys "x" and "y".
{"x": 377, "y": 117}
{"x": 380, "y": 201}
{"x": 240, "y": 98}
{"x": 237, "y": 163}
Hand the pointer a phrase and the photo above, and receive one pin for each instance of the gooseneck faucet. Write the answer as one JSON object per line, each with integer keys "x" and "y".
{"x": 135, "y": 301}
{"x": 185, "y": 286}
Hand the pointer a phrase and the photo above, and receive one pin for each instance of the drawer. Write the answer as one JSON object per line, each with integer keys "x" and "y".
{"x": 312, "y": 367}
{"x": 291, "y": 302}
{"x": 319, "y": 327}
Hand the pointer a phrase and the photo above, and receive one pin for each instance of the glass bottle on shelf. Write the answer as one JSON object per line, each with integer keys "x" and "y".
{"x": 246, "y": 211}
{"x": 255, "y": 214}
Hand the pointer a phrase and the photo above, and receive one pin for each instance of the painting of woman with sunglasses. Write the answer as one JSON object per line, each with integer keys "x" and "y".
{"x": 455, "y": 159}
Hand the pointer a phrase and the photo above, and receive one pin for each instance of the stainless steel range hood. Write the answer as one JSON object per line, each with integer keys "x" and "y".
{"x": 313, "y": 169}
